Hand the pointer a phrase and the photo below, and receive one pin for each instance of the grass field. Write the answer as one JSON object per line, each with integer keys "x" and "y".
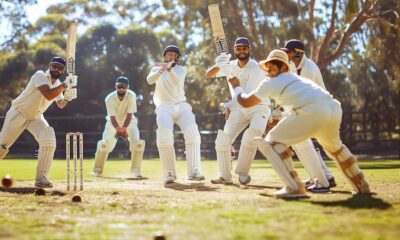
{"x": 116, "y": 207}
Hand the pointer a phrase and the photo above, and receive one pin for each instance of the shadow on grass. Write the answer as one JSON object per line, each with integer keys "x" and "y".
{"x": 358, "y": 201}
{"x": 30, "y": 190}
{"x": 265, "y": 194}
{"x": 201, "y": 187}
{"x": 123, "y": 178}
{"x": 255, "y": 186}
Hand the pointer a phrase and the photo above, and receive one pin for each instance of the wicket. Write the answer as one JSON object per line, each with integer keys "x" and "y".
{"x": 76, "y": 136}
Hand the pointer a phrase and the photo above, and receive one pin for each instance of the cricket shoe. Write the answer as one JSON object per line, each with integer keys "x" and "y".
{"x": 221, "y": 181}
{"x": 43, "y": 183}
{"x": 197, "y": 177}
{"x": 96, "y": 174}
{"x": 169, "y": 179}
{"x": 308, "y": 183}
{"x": 137, "y": 175}
{"x": 244, "y": 179}
{"x": 288, "y": 193}
{"x": 318, "y": 188}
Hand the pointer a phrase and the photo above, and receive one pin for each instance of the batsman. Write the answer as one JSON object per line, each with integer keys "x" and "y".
{"x": 27, "y": 110}
{"x": 121, "y": 123}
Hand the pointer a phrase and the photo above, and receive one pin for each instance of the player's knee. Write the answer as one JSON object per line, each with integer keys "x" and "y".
{"x": 103, "y": 146}
{"x": 137, "y": 145}
{"x": 223, "y": 141}
{"x": 165, "y": 137}
{"x": 281, "y": 149}
{"x": 249, "y": 136}
{"x": 192, "y": 134}
{"x": 47, "y": 137}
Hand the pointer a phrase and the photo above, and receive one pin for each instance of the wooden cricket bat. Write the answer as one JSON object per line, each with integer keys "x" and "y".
{"x": 70, "y": 51}
{"x": 217, "y": 28}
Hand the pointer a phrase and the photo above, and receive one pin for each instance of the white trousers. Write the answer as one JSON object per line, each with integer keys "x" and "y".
{"x": 180, "y": 113}
{"x": 110, "y": 131}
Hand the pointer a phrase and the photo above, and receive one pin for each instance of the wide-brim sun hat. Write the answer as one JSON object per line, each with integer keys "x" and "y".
{"x": 277, "y": 55}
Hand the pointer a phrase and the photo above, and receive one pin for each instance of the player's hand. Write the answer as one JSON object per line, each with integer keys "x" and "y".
{"x": 272, "y": 122}
{"x": 234, "y": 81}
{"x": 70, "y": 94}
{"x": 222, "y": 59}
{"x": 70, "y": 81}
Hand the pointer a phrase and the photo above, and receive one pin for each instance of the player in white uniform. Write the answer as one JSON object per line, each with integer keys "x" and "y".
{"x": 171, "y": 107}
{"x": 122, "y": 123}
{"x": 305, "y": 150}
{"x": 305, "y": 100}
{"x": 250, "y": 75}
{"x": 27, "y": 110}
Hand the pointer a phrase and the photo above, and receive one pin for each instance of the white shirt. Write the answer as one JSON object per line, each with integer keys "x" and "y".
{"x": 31, "y": 102}
{"x": 308, "y": 69}
{"x": 120, "y": 109}
{"x": 250, "y": 76}
{"x": 169, "y": 85}
{"x": 291, "y": 91}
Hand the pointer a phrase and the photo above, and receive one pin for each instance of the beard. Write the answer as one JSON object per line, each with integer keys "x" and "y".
{"x": 121, "y": 94}
{"x": 243, "y": 57}
{"x": 55, "y": 74}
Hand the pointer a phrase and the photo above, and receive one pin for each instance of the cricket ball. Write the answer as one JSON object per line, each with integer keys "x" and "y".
{"x": 40, "y": 192}
{"x": 76, "y": 198}
{"x": 7, "y": 181}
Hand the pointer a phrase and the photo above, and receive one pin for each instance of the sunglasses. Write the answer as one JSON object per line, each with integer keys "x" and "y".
{"x": 57, "y": 67}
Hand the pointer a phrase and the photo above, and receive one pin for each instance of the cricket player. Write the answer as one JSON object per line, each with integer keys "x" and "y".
{"x": 171, "y": 107}
{"x": 250, "y": 75}
{"x": 121, "y": 123}
{"x": 305, "y": 150}
{"x": 313, "y": 113}
{"x": 27, "y": 110}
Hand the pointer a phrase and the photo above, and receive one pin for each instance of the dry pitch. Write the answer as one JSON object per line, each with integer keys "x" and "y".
{"x": 117, "y": 207}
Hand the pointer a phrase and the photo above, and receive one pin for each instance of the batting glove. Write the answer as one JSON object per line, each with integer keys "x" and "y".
{"x": 222, "y": 59}
{"x": 70, "y": 81}
{"x": 70, "y": 94}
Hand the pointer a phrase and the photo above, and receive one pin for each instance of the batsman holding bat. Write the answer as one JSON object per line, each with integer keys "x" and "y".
{"x": 250, "y": 74}
{"x": 171, "y": 107}
{"x": 121, "y": 123}
{"x": 27, "y": 110}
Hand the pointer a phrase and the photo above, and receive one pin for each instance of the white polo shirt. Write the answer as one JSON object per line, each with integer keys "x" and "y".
{"x": 250, "y": 76}
{"x": 31, "y": 102}
{"x": 308, "y": 69}
{"x": 291, "y": 91}
{"x": 120, "y": 109}
{"x": 169, "y": 85}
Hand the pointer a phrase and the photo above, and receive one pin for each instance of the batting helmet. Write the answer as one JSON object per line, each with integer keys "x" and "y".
{"x": 172, "y": 48}
{"x": 59, "y": 60}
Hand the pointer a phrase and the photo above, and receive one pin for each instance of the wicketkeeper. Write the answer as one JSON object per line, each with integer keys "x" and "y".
{"x": 27, "y": 110}
{"x": 121, "y": 123}
{"x": 250, "y": 75}
{"x": 305, "y": 100}
{"x": 171, "y": 107}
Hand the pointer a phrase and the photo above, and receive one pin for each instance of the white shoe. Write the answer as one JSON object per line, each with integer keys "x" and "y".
{"x": 96, "y": 174}
{"x": 221, "y": 181}
{"x": 169, "y": 179}
{"x": 197, "y": 177}
{"x": 287, "y": 192}
{"x": 244, "y": 179}
{"x": 43, "y": 183}
{"x": 137, "y": 175}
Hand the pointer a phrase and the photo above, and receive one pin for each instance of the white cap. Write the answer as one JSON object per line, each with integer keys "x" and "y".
{"x": 277, "y": 55}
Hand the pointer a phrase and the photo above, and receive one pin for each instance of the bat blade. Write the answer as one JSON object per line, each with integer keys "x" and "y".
{"x": 70, "y": 51}
{"x": 217, "y": 28}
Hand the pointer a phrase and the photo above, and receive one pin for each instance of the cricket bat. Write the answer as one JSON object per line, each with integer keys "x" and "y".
{"x": 217, "y": 28}
{"x": 70, "y": 51}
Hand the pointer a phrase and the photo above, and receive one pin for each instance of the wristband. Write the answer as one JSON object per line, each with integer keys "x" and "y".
{"x": 238, "y": 90}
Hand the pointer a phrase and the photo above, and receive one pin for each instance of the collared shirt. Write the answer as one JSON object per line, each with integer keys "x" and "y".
{"x": 31, "y": 102}
{"x": 169, "y": 85}
{"x": 308, "y": 69}
{"x": 290, "y": 90}
{"x": 120, "y": 109}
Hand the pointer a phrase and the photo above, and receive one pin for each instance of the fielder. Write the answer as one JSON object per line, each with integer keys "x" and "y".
{"x": 305, "y": 151}
{"x": 171, "y": 107}
{"x": 121, "y": 123}
{"x": 305, "y": 100}
{"x": 250, "y": 75}
{"x": 27, "y": 110}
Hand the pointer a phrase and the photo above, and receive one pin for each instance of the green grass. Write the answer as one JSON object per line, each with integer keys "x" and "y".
{"x": 116, "y": 207}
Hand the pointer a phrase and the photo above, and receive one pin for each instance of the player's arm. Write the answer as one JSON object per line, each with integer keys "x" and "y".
{"x": 246, "y": 100}
{"x": 212, "y": 72}
{"x": 154, "y": 75}
{"x": 221, "y": 61}
{"x": 128, "y": 120}
{"x": 50, "y": 93}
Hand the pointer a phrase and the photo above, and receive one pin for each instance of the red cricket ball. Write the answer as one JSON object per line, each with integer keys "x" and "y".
{"x": 7, "y": 181}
